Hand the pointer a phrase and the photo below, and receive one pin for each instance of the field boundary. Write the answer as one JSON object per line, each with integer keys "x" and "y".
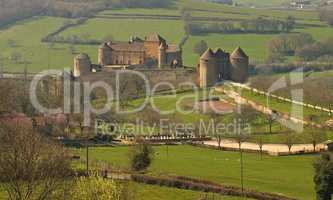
{"x": 206, "y": 186}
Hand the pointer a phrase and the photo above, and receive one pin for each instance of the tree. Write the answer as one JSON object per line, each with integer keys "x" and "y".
{"x": 323, "y": 178}
{"x": 218, "y": 132}
{"x": 200, "y": 47}
{"x": 326, "y": 15}
{"x": 314, "y": 135}
{"x": 141, "y": 155}
{"x": 31, "y": 166}
{"x": 97, "y": 188}
{"x": 290, "y": 23}
{"x": 289, "y": 140}
{"x": 271, "y": 118}
{"x": 260, "y": 143}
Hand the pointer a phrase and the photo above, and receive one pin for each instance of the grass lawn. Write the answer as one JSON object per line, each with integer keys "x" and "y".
{"x": 290, "y": 175}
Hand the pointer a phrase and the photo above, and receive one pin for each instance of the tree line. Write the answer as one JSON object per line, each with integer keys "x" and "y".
{"x": 13, "y": 10}
{"x": 259, "y": 25}
{"x": 301, "y": 45}
{"x": 326, "y": 15}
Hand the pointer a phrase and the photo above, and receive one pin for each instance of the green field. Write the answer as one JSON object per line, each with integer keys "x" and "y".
{"x": 290, "y": 175}
{"x": 27, "y": 34}
{"x": 150, "y": 192}
{"x": 122, "y": 29}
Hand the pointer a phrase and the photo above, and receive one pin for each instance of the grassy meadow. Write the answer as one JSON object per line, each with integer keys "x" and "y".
{"x": 289, "y": 175}
{"x": 29, "y": 49}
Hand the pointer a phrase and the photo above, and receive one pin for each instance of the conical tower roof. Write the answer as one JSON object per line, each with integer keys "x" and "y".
{"x": 208, "y": 54}
{"x": 104, "y": 46}
{"x": 219, "y": 52}
{"x": 238, "y": 53}
{"x": 82, "y": 56}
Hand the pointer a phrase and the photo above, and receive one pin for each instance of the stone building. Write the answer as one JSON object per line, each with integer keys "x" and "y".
{"x": 82, "y": 65}
{"x": 219, "y": 65}
{"x": 153, "y": 50}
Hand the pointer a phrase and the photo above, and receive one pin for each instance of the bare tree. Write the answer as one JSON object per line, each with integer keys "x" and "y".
{"x": 260, "y": 142}
{"x": 314, "y": 135}
{"x": 290, "y": 139}
{"x": 31, "y": 167}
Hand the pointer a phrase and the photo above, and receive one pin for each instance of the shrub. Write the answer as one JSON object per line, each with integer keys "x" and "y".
{"x": 141, "y": 156}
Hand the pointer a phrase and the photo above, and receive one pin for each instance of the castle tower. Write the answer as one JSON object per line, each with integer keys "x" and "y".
{"x": 239, "y": 66}
{"x": 82, "y": 65}
{"x": 223, "y": 64}
{"x": 104, "y": 54}
{"x": 208, "y": 74}
{"x": 162, "y": 56}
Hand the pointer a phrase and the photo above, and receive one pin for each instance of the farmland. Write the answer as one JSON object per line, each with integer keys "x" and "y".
{"x": 291, "y": 175}
{"x": 21, "y": 42}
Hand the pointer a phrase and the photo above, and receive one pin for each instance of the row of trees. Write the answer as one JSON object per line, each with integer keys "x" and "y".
{"x": 320, "y": 51}
{"x": 12, "y": 10}
{"x": 259, "y": 25}
{"x": 326, "y": 15}
{"x": 301, "y": 45}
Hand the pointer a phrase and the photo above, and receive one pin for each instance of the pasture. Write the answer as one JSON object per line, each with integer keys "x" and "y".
{"x": 289, "y": 175}
{"x": 21, "y": 42}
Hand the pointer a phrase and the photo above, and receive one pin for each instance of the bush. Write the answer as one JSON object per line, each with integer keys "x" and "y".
{"x": 141, "y": 156}
{"x": 324, "y": 177}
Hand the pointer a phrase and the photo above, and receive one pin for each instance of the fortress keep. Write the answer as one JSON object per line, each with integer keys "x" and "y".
{"x": 215, "y": 66}
{"x": 152, "y": 50}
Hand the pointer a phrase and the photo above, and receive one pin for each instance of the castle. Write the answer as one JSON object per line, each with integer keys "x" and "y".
{"x": 214, "y": 66}
{"x": 152, "y": 50}
{"x": 219, "y": 65}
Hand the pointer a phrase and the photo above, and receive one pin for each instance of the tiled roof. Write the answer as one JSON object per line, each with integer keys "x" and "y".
{"x": 239, "y": 53}
{"x": 208, "y": 54}
{"x": 127, "y": 46}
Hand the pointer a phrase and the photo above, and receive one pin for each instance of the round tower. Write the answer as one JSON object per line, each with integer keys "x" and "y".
{"x": 104, "y": 54}
{"x": 239, "y": 65}
{"x": 82, "y": 65}
{"x": 162, "y": 56}
{"x": 208, "y": 69}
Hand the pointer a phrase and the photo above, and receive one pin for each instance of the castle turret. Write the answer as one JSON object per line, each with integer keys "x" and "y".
{"x": 82, "y": 65}
{"x": 207, "y": 69}
{"x": 162, "y": 56}
{"x": 223, "y": 64}
{"x": 239, "y": 65}
{"x": 104, "y": 54}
